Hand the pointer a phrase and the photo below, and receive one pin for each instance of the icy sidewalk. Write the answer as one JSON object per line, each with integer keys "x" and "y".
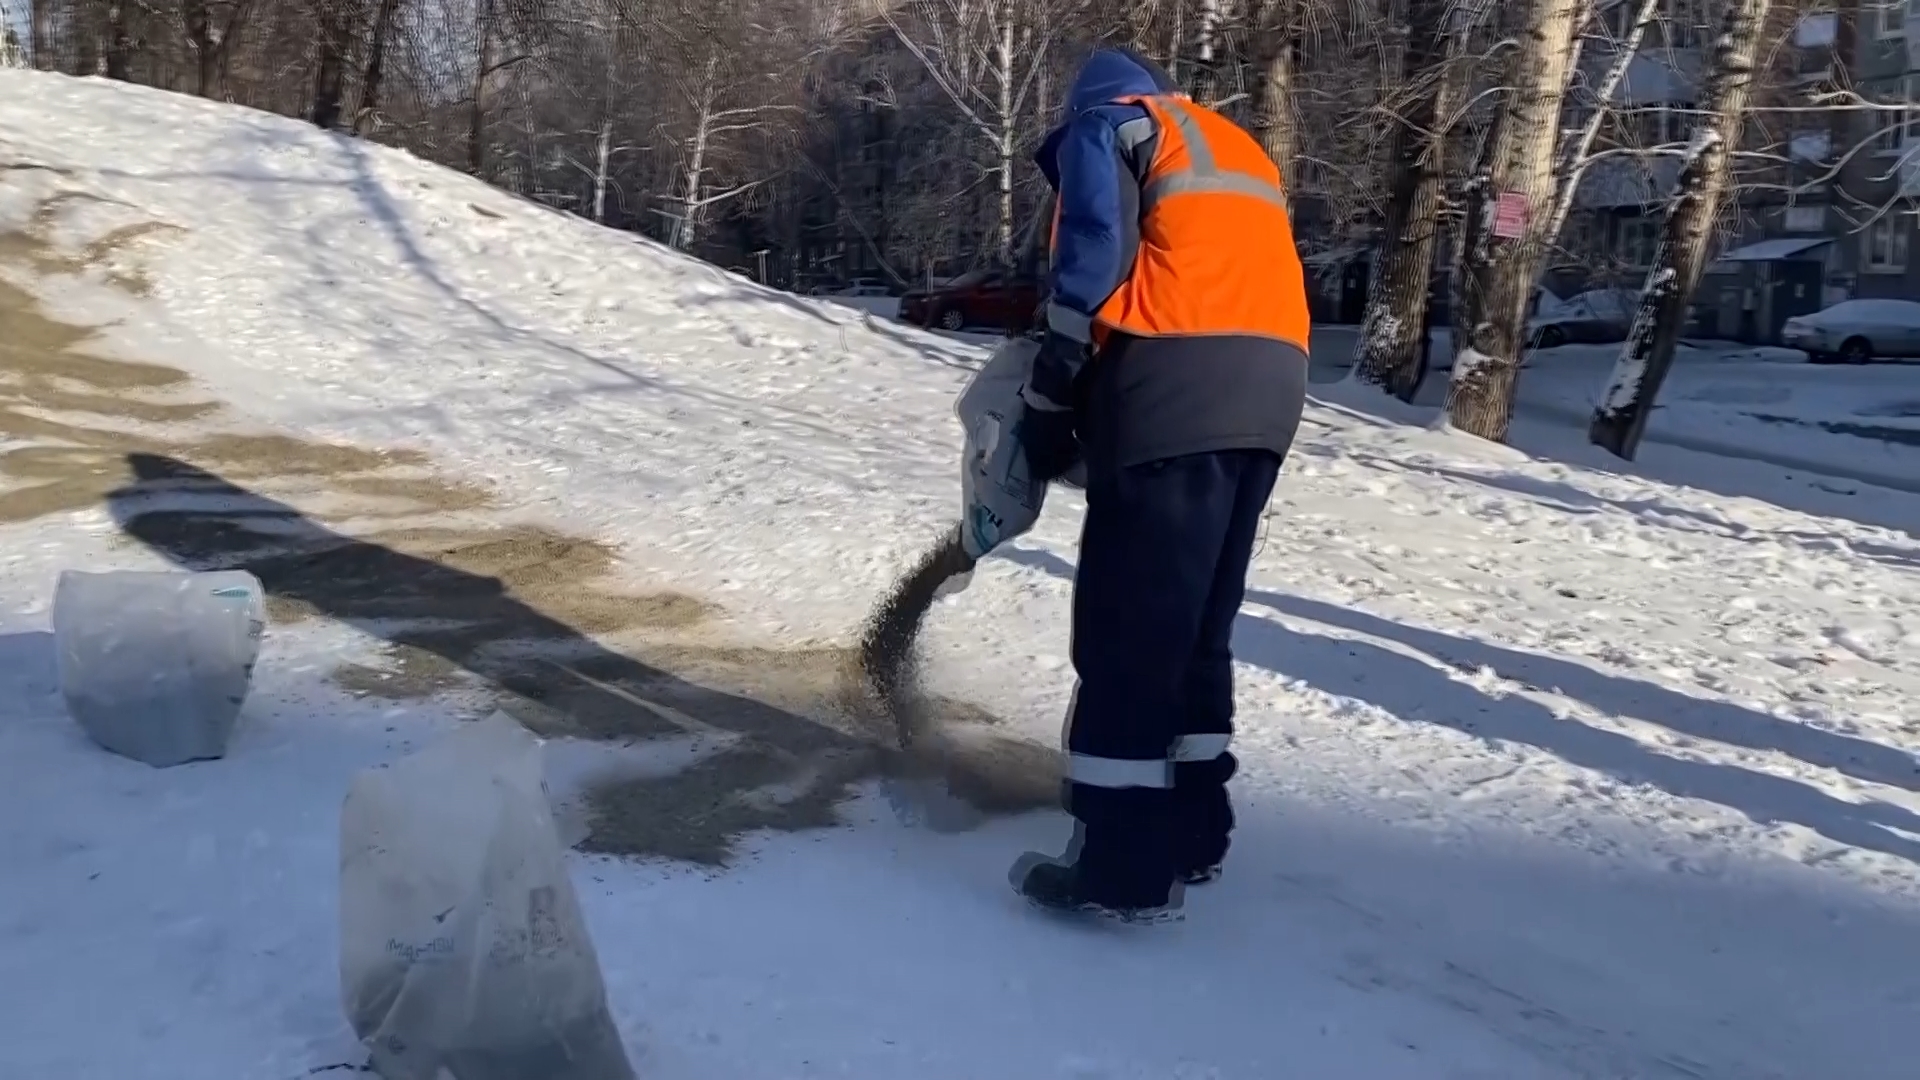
{"x": 195, "y": 906}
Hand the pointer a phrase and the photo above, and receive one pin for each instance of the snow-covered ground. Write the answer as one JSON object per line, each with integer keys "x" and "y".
{"x": 1553, "y": 767}
{"x": 1765, "y": 403}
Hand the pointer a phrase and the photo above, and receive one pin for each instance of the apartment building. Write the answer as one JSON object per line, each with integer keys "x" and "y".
{"x": 1825, "y": 210}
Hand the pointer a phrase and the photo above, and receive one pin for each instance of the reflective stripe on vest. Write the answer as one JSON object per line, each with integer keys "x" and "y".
{"x": 1202, "y": 174}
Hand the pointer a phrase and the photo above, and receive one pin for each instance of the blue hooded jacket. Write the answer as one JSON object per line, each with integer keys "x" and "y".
{"x": 1093, "y": 251}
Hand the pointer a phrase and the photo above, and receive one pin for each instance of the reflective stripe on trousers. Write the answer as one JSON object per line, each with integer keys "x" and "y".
{"x": 1153, "y": 773}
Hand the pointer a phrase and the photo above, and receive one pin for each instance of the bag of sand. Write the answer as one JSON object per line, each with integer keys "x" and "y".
{"x": 462, "y": 944}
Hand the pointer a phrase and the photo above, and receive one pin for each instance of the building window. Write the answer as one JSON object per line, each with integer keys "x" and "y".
{"x": 1638, "y": 239}
{"x": 1805, "y": 219}
{"x": 1889, "y": 16}
{"x": 1814, "y": 146}
{"x": 1816, "y": 31}
{"x": 1893, "y": 127}
{"x": 1615, "y": 19}
{"x": 1885, "y": 245}
{"x": 1578, "y": 237}
{"x": 1682, "y": 28}
{"x": 1652, "y": 125}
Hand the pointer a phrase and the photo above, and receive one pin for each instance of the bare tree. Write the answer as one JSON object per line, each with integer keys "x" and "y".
{"x": 40, "y": 21}
{"x": 374, "y": 76}
{"x": 1621, "y": 417}
{"x": 336, "y": 19}
{"x": 1576, "y": 147}
{"x": 1204, "y": 79}
{"x": 1393, "y": 333}
{"x": 1508, "y": 195}
{"x": 1276, "y": 39}
{"x": 987, "y": 57}
{"x": 12, "y": 53}
{"x": 802, "y": 136}
{"x": 210, "y": 27}
{"x": 739, "y": 102}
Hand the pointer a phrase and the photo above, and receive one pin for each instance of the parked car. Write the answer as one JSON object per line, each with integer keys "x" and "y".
{"x": 1856, "y": 332}
{"x": 858, "y": 287}
{"x": 986, "y": 299}
{"x": 1595, "y": 317}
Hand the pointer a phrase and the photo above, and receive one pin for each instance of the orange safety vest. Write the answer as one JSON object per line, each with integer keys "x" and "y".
{"x": 1216, "y": 252}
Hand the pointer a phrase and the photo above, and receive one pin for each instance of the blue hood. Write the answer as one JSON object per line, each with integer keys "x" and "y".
{"x": 1107, "y": 74}
{"x": 1113, "y": 73}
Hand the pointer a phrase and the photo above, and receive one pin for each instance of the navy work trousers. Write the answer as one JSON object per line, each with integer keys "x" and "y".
{"x": 1163, "y": 566}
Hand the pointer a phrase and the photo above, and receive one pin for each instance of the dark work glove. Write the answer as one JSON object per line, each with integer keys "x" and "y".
{"x": 1046, "y": 430}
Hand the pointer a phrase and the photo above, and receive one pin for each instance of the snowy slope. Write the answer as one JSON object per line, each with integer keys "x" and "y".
{"x": 1549, "y": 770}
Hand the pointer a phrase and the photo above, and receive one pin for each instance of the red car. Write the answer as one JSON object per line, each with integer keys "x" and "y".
{"x": 982, "y": 299}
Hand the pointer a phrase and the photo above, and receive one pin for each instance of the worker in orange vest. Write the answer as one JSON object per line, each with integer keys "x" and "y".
{"x": 1174, "y": 364}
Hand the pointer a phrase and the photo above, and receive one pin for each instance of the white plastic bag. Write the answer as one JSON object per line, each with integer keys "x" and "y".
{"x": 155, "y": 665}
{"x": 995, "y": 390}
{"x": 462, "y": 946}
{"x": 998, "y": 497}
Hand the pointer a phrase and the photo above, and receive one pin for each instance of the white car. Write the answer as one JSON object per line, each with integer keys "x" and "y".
{"x": 863, "y": 287}
{"x": 1856, "y": 331}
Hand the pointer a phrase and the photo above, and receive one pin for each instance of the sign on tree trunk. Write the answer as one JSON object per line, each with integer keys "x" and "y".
{"x": 1510, "y": 216}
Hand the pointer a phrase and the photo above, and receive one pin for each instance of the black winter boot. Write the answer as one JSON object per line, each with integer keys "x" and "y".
{"x": 1065, "y": 887}
{"x": 1203, "y": 817}
{"x": 1120, "y": 862}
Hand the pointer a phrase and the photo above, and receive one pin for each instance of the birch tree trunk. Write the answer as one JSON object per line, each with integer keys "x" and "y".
{"x": 603, "y": 149}
{"x": 1393, "y": 333}
{"x": 1501, "y": 253}
{"x": 1573, "y": 152}
{"x": 603, "y": 143}
{"x": 688, "y": 229}
{"x": 1004, "y": 44}
{"x": 13, "y": 54}
{"x": 1645, "y": 358}
{"x": 1207, "y": 28}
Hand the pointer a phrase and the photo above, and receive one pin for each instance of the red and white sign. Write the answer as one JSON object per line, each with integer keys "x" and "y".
{"x": 1510, "y": 216}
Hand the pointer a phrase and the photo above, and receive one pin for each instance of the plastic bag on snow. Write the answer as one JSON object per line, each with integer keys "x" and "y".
{"x": 462, "y": 945}
{"x": 155, "y": 665}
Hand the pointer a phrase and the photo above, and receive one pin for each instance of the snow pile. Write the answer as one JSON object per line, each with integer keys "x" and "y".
{"x": 1549, "y": 769}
